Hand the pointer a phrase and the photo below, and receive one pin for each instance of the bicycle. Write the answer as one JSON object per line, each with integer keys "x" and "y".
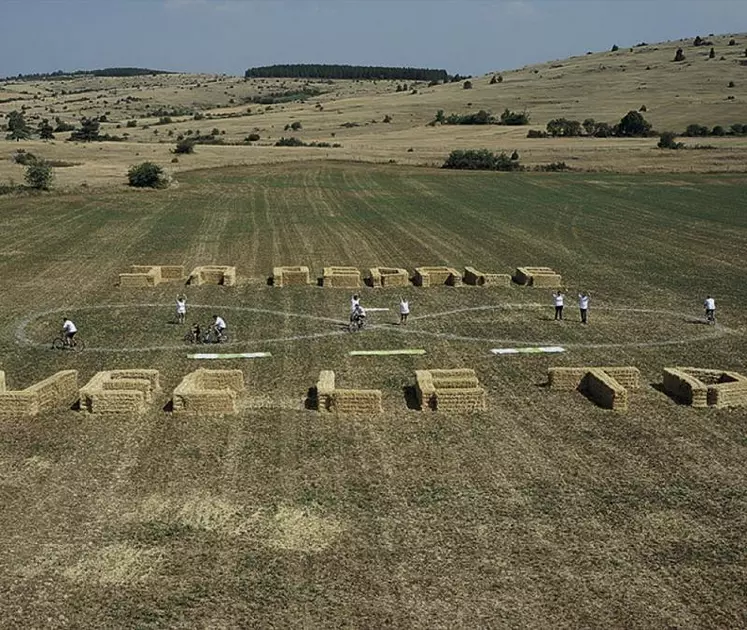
{"x": 192, "y": 337}
{"x": 62, "y": 343}
{"x": 214, "y": 336}
{"x": 710, "y": 317}
{"x": 356, "y": 324}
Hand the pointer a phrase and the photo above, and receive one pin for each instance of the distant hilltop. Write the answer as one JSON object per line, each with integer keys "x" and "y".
{"x": 102, "y": 72}
{"x": 339, "y": 71}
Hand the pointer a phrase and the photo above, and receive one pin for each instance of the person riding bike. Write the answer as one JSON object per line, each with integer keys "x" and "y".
{"x": 358, "y": 316}
{"x": 195, "y": 333}
{"x": 68, "y": 332}
{"x": 219, "y": 327}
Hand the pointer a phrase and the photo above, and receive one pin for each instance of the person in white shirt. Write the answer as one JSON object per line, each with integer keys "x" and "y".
{"x": 219, "y": 326}
{"x": 404, "y": 310}
{"x": 583, "y": 306}
{"x": 354, "y": 301}
{"x": 558, "y": 298}
{"x": 359, "y": 316}
{"x": 68, "y": 331}
{"x": 181, "y": 308}
{"x": 710, "y": 309}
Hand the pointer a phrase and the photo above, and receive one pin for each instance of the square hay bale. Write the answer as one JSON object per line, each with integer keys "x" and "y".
{"x": 341, "y": 277}
{"x": 389, "y": 277}
{"x": 209, "y": 392}
{"x": 604, "y": 390}
{"x": 539, "y": 277}
{"x": 2, "y": 381}
{"x": 213, "y": 274}
{"x": 172, "y": 273}
{"x": 480, "y": 279}
{"x": 290, "y": 276}
{"x": 569, "y": 378}
{"x": 120, "y": 391}
{"x": 58, "y": 391}
{"x": 362, "y": 401}
{"x": 706, "y": 388}
{"x": 141, "y": 276}
{"x": 455, "y": 390}
{"x": 437, "y": 276}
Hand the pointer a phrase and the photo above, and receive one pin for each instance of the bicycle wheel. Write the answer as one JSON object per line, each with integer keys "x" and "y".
{"x": 58, "y": 343}
{"x": 78, "y": 344}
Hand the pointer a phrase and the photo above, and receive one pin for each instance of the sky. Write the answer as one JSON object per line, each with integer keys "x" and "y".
{"x": 228, "y": 36}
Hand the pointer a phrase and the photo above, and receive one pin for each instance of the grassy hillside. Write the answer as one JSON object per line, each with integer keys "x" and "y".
{"x": 603, "y": 86}
{"x": 543, "y": 510}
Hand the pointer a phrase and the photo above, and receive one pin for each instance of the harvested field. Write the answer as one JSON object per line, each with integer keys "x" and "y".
{"x": 542, "y": 510}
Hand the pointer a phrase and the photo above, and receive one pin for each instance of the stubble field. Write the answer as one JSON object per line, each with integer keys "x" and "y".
{"x": 544, "y": 510}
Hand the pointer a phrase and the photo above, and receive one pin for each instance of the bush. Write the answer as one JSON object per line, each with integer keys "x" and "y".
{"x": 731, "y": 84}
{"x": 387, "y": 119}
{"x": 289, "y": 142}
{"x": 480, "y": 118}
{"x": 633, "y": 125}
{"x": 537, "y": 133}
{"x": 131, "y": 123}
{"x": 679, "y": 55}
{"x": 198, "y": 116}
{"x": 295, "y": 125}
{"x": 712, "y": 53}
{"x": 564, "y": 127}
{"x": 615, "y": 48}
{"x": 467, "y": 85}
{"x": 553, "y": 167}
{"x": 696, "y": 131}
{"x": 514, "y": 118}
{"x": 666, "y": 141}
{"x": 23, "y": 157}
{"x": 185, "y": 145}
{"x": 481, "y": 159}
{"x": 737, "y": 129}
{"x": 718, "y": 130}
{"x": 146, "y": 175}
{"x": 732, "y": 42}
{"x": 252, "y": 137}
{"x": 39, "y": 175}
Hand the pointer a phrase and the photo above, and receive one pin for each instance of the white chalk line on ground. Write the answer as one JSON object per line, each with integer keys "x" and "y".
{"x": 715, "y": 331}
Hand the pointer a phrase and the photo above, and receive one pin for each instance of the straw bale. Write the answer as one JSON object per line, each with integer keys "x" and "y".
{"x": 58, "y": 391}
{"x": 209, "y": 392}
{"x": 479, "y": 278}
{"x": 290, "y": 276}
{"x": 213, "y": 274}
{"x": 120, "y": 391}
{"x": 389, "y": 277}
{"x": 449, "y": 390}
{"x": 172, "y": 272}
{"x": 540, "y": 277}
{"x": 436, "y": 276}
{"x": 569, "y": 378}
{"x": 138, "y": 280}
{"x": 341, "y": 277}
{"x": 685, "y": 388}
{"x": 2, "y": 381}
{"x": 150, "y": 275}
{"x": 604, "y": 390}
{"x": 363, "y": 401}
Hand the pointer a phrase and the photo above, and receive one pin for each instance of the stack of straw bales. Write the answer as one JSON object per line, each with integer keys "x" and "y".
{"x": 358, "y": 401}
{"x": 540, "y": 277}
{"x": 706, "y": 388}
{"x": 151, "y": 275}
{"x": 449, "y": 390}
{"x": 478, "y": 278}
{"x": 435, "y": 276}
{"x": 606, "y": 386}
{"x": 341, "y": 277}
{"x": 120, "y": 391}
{"x": 213, "y": 274}
{"x": 209, "y": 392}
{"x": 290, "y": 276}
{"x": 389, "y": 277}
{"x": 59, "y": 391}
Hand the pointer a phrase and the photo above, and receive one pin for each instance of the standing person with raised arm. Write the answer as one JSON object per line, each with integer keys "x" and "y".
{"x": 583, "y": 306}
{"x": 558, "y": 299}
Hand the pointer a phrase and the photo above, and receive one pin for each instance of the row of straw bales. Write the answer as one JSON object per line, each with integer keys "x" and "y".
{"x": 698, "y": 387}
{"x": 455, "y": 390}
{"x": 350, "y": 277}
{"x": 150, "y": 275}
{"x": 333, "y": 399}
{"x": 120, "y": 391}
{"x": 213, "y": 274}
{"x": 606, "y": 386}
{"x": 59, "y": 391}
{"x": 209, "y": 392}
{"x": 538, "y": 277}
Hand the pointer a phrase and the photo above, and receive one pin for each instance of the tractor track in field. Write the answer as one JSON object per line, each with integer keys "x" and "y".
{"x": 714, "y": 332}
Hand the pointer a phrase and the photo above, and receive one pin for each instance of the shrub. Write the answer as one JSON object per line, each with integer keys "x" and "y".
{"x": 252, "y": 137}
{"x": 387, "y": 119}
{"x": 164, "y": 120}
{"x": 45, "y": 130}
{"x": 295, "y": 125}
{"x": 131, "y": 123}
{"x": 514, "y": 118}
{"x": 666, "y": 141}
{"x": 553, "y": 167}
{"x": 537, "y": 133}
{"x": 39, "y": 175}
{"x": 185, "y": 145}
{"x": 731, "y": 84}
{"x": 289, "y": 142}
{"x": 679, "y": 55}
{"x": 515, "y": 155}
{"x": 718, "y": 130}
{"x": 493, "y": 80}
{"x": 62, "y": 126}
{"x": 480, "y": 118}
{"x": 199, "y": 116}
{"x": 614, "y": 48}
{"x": 633, "y": 125}
{"x": 467, "y": 85}
{"x": 696, "y": 131}
{"x": 711, "y": 53}
{"x": 564, "y": 127}
{"x": 88, "y": 132}
{"x": 737, "y": 129}
{"x": 481, "y": 159}
{"x": 23, "y": 157}
{"x": 732, "y": 42}
{"x": 215, "y": 132}
{"x": 146, "y": 175}
{"x": 698, "y": 41}
{"x": 643, "y": 108}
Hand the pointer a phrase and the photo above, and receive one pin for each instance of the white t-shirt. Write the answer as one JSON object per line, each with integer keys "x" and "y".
{"x": 710, "y": 304}
{"x": 219, "y": 323}
{"x": 404, "y": 307}
{"x": 583, "y": 302}
{"x": 354, "y": 301}
{"x": 558, "y": 299}
{"x": 360, "y": 311}
{"x": 69, "y": 327}
{"x": 181, "y": 306}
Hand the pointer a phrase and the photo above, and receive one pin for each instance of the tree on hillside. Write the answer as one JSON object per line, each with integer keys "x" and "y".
{"x": 17, "y": 128}
{"x": 679, "y": 55}
{"x": 88, "y": 132}
{"x": 39, "y": 175}
{"x": 46, "y": 130}
{"x": 632, "y": 125}
{"x": 712, "y": 53}
{"x": 147, "y": 175}
{"x": 467, "y": 85}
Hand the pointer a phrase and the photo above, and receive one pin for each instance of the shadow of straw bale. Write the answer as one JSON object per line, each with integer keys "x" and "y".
{"x": 169, "y": 406}
{"x": 312, "y": 399}
{"x": 270, "y": 281}
{"x": 410, "y": 393}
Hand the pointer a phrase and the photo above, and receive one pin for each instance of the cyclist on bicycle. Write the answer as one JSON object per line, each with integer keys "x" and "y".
{"x": 195, "y": 333}
{"x": 358, "y": 316}
{"x": 219, "y": 326}
{"x": 68, "y": 331}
